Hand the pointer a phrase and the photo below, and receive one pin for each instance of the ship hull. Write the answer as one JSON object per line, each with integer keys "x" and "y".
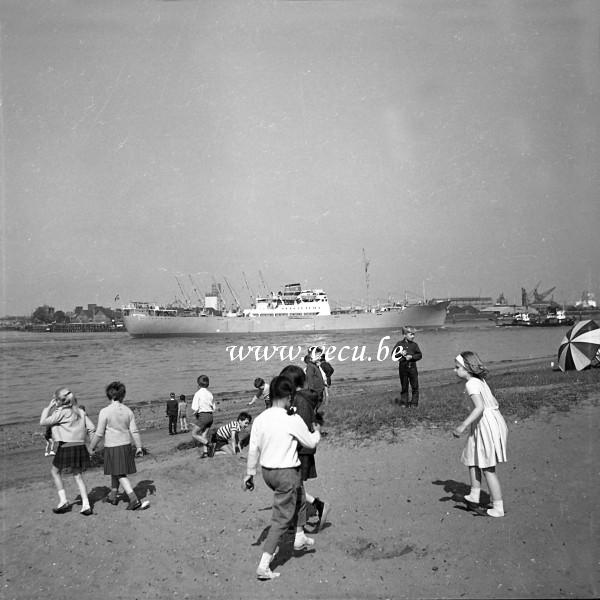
{"x": 422, "y": 316}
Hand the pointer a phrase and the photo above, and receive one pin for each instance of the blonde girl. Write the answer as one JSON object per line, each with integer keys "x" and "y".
{"x": 70, "y": 428}
{"x": 486, "y": 445}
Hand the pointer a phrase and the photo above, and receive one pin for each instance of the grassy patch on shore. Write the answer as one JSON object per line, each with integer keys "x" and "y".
{"x": 443, "y": 405}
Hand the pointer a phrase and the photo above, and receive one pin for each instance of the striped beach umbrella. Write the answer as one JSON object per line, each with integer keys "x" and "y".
{"x": 579, "y": 346}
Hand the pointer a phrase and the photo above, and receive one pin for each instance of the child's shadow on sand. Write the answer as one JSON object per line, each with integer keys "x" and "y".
{"x": 458, "y": 491}
{"x": 262, "y": 537}
{"x": 285, "y": 549}
{"x": 97, "y": 493}
{"x": 144, "y": 488}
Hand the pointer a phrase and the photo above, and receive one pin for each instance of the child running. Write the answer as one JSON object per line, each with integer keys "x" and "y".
{"x": 116, "y": 424}
{"x": 227, "y": 437}
{"x": 486, "y": 445}
{"x": 70, "y": 426}
{"x": 274, "y": 441}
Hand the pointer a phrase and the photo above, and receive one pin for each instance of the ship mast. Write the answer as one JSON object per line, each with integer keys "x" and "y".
{"x": 366, "y": 264}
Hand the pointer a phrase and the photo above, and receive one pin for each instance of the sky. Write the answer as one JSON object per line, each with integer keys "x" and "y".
{"x": 150, "y": 147}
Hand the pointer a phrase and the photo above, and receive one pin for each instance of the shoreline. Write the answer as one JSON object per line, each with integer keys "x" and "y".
{"x": 150, "y": 413}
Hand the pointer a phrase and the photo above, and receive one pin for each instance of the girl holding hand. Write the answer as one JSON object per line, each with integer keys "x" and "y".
{"x": 116, "y": 424}
{"x": 70, "y": 428}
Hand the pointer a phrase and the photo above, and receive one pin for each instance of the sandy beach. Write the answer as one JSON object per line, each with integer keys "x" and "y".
{"x": 397, "y": 528}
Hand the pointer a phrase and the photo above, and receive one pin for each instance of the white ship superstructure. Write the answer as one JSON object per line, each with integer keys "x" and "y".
{"x": 292, "y": 302}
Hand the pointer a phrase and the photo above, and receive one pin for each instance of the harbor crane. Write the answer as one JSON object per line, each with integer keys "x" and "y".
{"x": 235, "y": 298}
{"x": 265, "y": 287}
{"x": 250, "y": 291}
{"x": 185, "y": 296}
{"x": 541, "y": 296}
{"x": 195, "y": 288}
{"x": 537, "y": 298}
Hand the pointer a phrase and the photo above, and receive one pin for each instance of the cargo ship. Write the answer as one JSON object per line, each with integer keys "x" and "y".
{"x": 292, "y": 310}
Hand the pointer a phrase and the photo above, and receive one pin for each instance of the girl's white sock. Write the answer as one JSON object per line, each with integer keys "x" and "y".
{"x": 300, "y": 535}
{"x": 497, "y": 510}
{"x": 473, "y": 495}
{"x": 265, "y": 560}
{"x": 62, "y": 497}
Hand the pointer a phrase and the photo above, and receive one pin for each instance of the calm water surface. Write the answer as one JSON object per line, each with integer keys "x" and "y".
{"x": 35, "y": 364}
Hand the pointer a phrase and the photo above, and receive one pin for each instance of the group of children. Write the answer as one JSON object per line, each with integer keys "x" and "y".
{"x": 177, "y": 413}
{"x": 227, "y": 438}
{"x": 283, "y": 441}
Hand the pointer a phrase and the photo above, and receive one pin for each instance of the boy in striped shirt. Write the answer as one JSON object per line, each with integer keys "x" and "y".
{"x": 227, "y": 437}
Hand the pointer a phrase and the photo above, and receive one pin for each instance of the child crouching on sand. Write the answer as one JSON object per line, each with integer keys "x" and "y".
{"x": 262, "y": 391}
{"x": 486, "y": 445}
{"x": 227, "y": 437}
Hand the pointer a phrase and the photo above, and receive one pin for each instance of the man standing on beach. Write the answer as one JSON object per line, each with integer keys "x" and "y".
{"x": 407, "y": 353}
{"x": 315, "y": 378}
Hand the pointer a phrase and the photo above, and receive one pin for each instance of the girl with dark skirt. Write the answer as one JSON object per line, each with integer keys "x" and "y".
{"x": 116, "y": 424}
{"x": 70, "y": 427}
{"x": 305, "y": 404}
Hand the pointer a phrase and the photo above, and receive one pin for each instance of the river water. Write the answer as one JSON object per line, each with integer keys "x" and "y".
{"x": 35, "y": 364}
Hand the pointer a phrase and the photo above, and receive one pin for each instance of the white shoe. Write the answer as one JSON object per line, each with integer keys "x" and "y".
{"x": 473, "y": 498}
{"x": 497, "y": 510}
{"x": 303, "y": 543}
{"x": 266, "y": 574}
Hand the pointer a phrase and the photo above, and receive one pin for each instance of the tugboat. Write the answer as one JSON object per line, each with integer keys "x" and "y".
{"x": 521, "y": 319}
{"x": 553, "y": 317}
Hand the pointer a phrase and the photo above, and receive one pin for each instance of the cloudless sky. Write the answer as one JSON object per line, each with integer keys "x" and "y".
{"x": 456, "y": 142}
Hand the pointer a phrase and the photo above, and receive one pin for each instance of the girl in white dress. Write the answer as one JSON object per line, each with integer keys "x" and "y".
{"x": 486, "y": 446}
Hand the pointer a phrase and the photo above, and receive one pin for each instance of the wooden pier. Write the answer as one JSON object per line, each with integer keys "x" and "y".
{"x": 75, "y": 327}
